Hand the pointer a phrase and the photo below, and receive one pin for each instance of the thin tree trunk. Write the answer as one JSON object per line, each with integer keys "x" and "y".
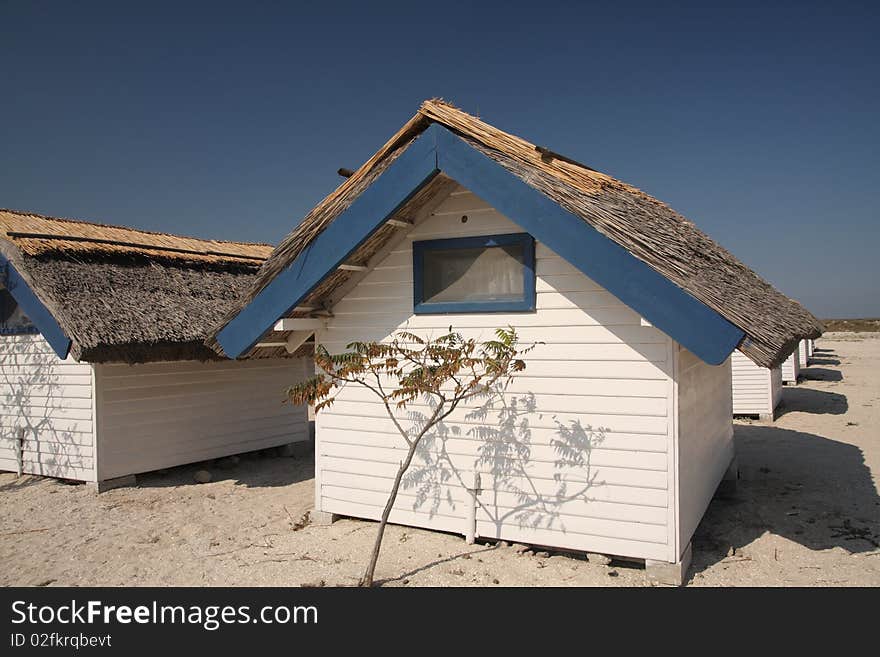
{"x": 367, "y": 579}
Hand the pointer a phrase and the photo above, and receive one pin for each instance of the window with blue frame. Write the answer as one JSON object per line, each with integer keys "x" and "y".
{"x": 491, "y": 273}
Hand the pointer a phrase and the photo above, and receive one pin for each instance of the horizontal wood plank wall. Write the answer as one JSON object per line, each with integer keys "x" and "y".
{"x": 599, "y": 385}
{"x": 165, "y": 414}
{"x": 705, "y": 436}
{"x": 776, "y": 386}
{"x": 803, "y": 357}
{"x": 51, "y": 400}
{"x": 752, "y": 386}
{"x": 791, "y": 368}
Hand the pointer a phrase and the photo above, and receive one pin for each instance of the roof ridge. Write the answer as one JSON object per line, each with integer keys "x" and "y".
{"x": 433, "y": 109}
{"x": 144, "y": 231}
{"x": 134, "y": 245}
{"x": 641, "y": 224}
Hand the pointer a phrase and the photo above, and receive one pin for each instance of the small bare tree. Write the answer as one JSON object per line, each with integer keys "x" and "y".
{"x": 445, "y": 371}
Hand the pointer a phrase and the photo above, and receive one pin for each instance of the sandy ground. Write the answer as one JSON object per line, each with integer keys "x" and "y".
{"x": 806, "y": 513}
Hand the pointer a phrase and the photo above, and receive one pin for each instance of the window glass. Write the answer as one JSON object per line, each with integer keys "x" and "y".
{"x": 474, "y": 274}
{"x": 482, "y": 274}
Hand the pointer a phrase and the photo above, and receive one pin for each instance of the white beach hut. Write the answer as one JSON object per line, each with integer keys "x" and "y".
{"x": 104, "y": 370}
{"x": 791, "y": 368}
{"x": 637, "y": 312}
{"x": 809, "y": 345}
{"x": 803, "y": 354}
{"x": 757, "y": 390}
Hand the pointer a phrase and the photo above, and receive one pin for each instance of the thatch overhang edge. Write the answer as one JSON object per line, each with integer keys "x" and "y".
{"x": 770, "y": 321}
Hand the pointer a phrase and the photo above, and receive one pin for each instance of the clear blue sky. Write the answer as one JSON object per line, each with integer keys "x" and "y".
{"x": 758, "y": 123}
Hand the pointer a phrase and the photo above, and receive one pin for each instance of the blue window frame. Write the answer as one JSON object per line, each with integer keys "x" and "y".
{"x": 489, "y": 273}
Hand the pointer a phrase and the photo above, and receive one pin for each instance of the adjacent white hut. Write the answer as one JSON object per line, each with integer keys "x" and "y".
{"x": 802, "y": 354}
{"x": 757, "y": 390}
{"x": 791, "y": 368}
{"x": 104, "y": 370}
{"x": 808, "y": 344}
{"x": 623, "y": 425}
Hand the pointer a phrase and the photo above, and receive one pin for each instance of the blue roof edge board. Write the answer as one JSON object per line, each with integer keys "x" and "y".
{"x": 39, "y": 315}
{"x": 668, "y": 307}
{"x": 690, "y": 322}
{"x": 403, "y": 178}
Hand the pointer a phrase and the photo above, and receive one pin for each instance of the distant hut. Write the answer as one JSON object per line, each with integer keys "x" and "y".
{"x": 105, "y": 374}
{"x": 803, "y": 353}
{"x": 628, "y": 430}
{"x": 757, "y": 390}
{"x": 791, "y": 368}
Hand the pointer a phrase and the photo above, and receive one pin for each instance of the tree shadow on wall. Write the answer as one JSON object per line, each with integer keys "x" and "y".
{"x": 523, "y": 481}
{"x": 43, "y": 420}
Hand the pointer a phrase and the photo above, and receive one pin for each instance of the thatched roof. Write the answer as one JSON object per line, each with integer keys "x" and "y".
{"x": 647, "y": 228}
{"x": 128, "y": 295}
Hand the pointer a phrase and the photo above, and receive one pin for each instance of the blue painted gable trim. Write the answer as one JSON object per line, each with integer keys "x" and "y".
{"x": 39, "y": 315}
{"x": 672, "y": 310}
{"x": 412, "y": 170}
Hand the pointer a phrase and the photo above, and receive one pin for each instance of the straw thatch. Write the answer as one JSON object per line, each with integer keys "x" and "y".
{"x": 128, "y": 295}
{"x": 35, "y": 234}
{"x": 646, "y": 227}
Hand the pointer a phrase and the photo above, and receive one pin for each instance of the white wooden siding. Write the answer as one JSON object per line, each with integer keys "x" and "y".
{"x": 51, "y": 401}
{"x": 756, "y": 390}
{"x": 791, "y": 368}
{"x": 165, "y": 414}
{"x": 705, "y": 437}
{"x": 601, "y": 384}
{"x": 776, "y": 386}
{"x": 802, "y": 354}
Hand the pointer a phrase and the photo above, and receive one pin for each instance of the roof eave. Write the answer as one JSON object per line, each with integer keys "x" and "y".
{"x": 25, "y": 294}
{"x": 668, "y": 307}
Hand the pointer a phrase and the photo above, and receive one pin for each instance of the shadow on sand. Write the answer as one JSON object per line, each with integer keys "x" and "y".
{"x": 25, "y": 481}
{"x": 254, "y": 469}
{"x": 469, "y": 554}
{"x": 809, "y": 400}
{"x": 824, "y": 360}
{"x": 821, "y": 374}
{"x": 257, "y": 469}
{"x": 809, "y": 489}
